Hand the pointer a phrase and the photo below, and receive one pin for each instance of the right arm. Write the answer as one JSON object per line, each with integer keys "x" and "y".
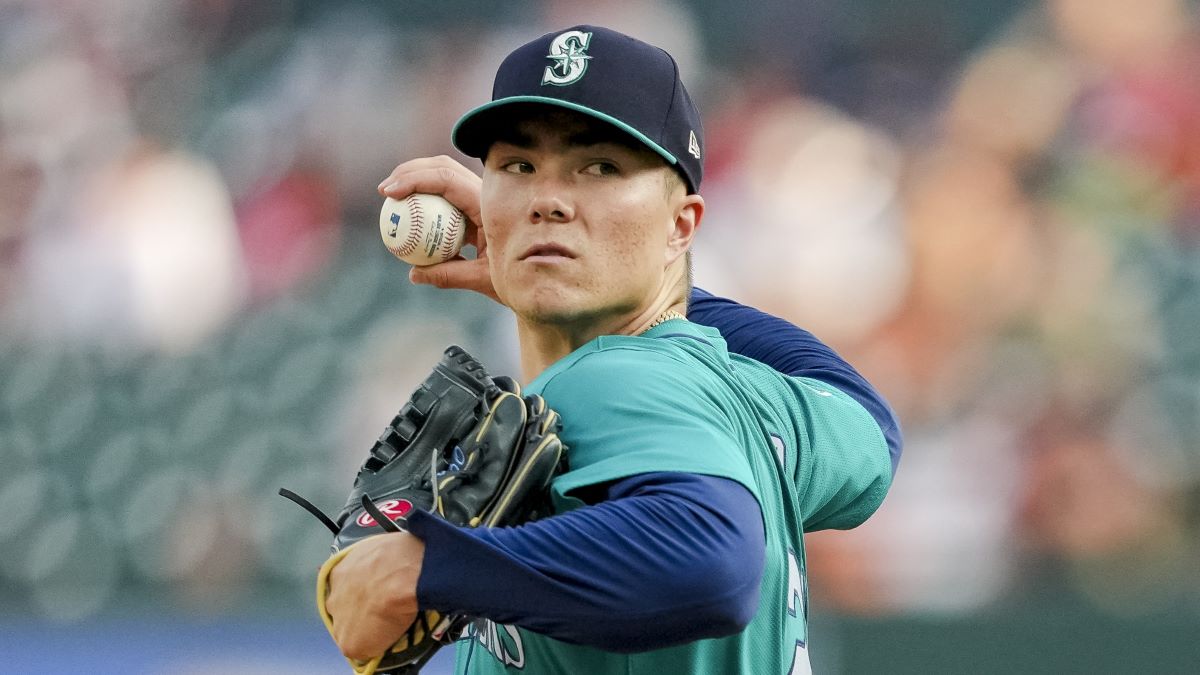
{"x": 793, "y": 351}
{"x": 450, "y": 179}
{"x": 750, "y": 332}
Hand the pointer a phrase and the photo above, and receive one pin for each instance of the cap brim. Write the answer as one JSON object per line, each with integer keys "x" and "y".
{"x": 472, "y": 136}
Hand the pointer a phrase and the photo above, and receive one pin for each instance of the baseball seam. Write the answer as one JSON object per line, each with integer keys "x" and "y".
{"x": 413, "y": 240}
{"x": 450, "y": 236}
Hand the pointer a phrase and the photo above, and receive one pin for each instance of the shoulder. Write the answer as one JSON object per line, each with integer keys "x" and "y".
{"x": 632, "y": 407}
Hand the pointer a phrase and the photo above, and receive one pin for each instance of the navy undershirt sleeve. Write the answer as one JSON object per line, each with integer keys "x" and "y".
{"x": 794, "y": 351}
{"x": 664, "y": 559}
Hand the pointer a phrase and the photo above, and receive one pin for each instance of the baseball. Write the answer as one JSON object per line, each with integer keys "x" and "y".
{"x": 422, "y": 229}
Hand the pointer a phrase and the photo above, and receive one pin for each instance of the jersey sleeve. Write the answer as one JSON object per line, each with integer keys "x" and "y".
{"x": 631, "y": 411}
{"x": 841, "y": 464}
{"x": 794, "y": 351}
{"x": 665, "y": 558}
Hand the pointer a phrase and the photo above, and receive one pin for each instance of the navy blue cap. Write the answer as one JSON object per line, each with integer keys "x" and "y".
{"x": 602, "y": 73}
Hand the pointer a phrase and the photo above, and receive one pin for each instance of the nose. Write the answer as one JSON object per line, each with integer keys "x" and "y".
{"x": 551, "y": 204}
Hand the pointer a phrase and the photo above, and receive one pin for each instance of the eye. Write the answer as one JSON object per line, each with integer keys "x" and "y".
{"x": 517, "y": 166}
{"x": 602, "y": 168}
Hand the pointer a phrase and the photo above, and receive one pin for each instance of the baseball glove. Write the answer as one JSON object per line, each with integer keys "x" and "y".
{"x": 466, "y": 447}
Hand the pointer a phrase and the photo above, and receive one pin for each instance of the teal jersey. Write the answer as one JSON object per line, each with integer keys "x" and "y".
{"x": 675, "y": 399}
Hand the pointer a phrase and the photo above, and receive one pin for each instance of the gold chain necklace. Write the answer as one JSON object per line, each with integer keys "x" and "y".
{"x": 665, "y": 317}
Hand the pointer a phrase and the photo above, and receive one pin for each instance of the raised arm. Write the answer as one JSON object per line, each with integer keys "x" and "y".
{"x": 793, "y": 351}
{"x": 750, "y": 332}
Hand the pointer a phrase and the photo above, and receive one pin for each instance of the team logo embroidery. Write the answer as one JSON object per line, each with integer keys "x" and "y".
{"x": 693, "y": 145}
{"x": 568, "y": 51}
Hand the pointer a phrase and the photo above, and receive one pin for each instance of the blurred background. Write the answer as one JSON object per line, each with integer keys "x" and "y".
{"x": 991, "y": 207}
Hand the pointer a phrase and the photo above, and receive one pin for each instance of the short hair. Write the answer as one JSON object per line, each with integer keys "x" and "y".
{"x": 673, "y": 180}
{"x": 689, "y": 278}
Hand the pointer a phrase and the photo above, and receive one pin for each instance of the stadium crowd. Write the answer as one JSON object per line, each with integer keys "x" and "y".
{"x": 992, "y": 208}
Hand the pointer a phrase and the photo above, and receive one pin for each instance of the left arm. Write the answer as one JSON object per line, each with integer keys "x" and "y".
{"x": 666, "y": 558}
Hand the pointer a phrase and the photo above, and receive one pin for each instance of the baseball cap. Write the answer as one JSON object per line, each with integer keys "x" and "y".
{"x": 607, "y": 75}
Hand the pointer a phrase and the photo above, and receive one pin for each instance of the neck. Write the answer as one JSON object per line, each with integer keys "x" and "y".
{"x": 543, "y": 343}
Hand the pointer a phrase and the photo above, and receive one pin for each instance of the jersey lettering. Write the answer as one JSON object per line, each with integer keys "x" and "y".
{"x": 800, "y": 663}
{"x": 797, "y": 606}
{"x": 797, "y": 587}
{"x": 501, "y": 641}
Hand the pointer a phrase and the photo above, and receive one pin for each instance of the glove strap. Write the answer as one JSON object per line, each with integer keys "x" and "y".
{"x": 382, "y": 520}
{"x": 308, "y": 506}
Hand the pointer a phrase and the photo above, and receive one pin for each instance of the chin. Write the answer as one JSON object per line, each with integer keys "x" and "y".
{"x": 552, "y": 300}
{"x": 552, "y": 313}
{"x": 552, "y": 306}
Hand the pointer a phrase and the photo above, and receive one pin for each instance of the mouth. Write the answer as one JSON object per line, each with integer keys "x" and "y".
{"x": 547, "y": 252}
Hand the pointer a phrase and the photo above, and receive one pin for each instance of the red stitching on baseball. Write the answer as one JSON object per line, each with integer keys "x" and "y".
{"x": 450, "y": 236}
{"x": 413, "y": 240}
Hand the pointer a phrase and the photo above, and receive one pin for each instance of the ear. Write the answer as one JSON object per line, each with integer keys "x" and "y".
{"x": 689, "y": 210}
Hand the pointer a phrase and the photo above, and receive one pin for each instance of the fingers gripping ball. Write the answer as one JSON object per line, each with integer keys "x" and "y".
{"x": 467, "y": 448}
{"x": 422, "y": 229}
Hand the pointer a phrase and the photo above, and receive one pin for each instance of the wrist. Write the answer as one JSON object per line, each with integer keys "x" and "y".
{"x": 402, "y": 554}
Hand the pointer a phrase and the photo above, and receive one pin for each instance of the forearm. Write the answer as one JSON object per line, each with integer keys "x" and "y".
{"x": 668, "y": 559}
{"x": 794, "y": 351}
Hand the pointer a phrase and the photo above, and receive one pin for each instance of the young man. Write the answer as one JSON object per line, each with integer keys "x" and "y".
{"x": 677, "y": 544}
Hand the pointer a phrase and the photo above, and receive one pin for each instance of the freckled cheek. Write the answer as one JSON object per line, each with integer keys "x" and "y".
{"x": 627, "y": 249}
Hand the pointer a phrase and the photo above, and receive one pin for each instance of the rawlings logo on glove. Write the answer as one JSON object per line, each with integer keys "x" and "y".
{"x": 467, "y": 448}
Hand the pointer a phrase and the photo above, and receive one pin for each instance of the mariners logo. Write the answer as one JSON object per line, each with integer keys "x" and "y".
{"x": 568, "y": 51}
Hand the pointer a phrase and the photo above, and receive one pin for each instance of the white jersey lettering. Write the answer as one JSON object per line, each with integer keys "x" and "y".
{"x": 796, "y": 592}
{"x": 510, "y": 651}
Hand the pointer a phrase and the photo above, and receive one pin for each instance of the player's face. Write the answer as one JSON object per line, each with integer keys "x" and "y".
{"x": 578, "y": 221}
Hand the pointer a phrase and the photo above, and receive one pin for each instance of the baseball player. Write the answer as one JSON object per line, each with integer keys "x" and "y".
{"x": 704, "y": 436}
